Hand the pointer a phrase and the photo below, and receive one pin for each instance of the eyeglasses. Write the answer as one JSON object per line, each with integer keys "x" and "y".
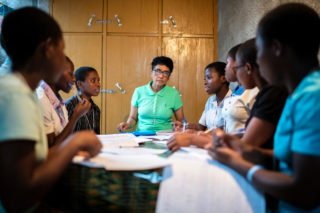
{"x": 165, "y": 73}
{"x": 235, "y": 68}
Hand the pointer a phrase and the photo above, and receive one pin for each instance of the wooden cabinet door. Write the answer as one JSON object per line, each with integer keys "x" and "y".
{"x": 129, "y": 64}
{"x": 75, "y": 15}
{"x": 191, "y": 16}
{"x": 136, "y": 16}
{"x": 190, "y": 56}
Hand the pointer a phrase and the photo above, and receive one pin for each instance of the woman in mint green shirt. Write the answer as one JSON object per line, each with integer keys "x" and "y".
{"x": 153, "y": 104}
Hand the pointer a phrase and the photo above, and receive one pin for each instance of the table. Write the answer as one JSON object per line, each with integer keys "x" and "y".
{"x": 83, "y": 189}
{"x": 193, "y": 183}
{"x": 197, "y": 183}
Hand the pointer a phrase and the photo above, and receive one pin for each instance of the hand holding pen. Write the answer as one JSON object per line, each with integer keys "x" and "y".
{"x": 123, "y": 126}
{"x": 178, "y": 126}
{"x": 82, "y": 107}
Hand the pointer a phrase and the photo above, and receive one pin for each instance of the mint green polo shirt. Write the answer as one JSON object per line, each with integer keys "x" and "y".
{"x": 20, "y": 114}
{"x": 155, "y": 110}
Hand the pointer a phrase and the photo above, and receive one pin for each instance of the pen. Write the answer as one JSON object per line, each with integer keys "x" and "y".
{"x": 78, "y": 97}
{"x": 82, "y": 101}
{"x": 75, "y": 93}
{"x": 184, "y": 124}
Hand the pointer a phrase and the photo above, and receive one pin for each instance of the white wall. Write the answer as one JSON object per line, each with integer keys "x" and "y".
{"x": 238, "y": 20}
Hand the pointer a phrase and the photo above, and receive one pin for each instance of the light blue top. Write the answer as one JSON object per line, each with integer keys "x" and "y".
{"x": 155, "y": 110}
{"x": 20, "y": 115}
{"x": 212, "y": 114}
{"x": 298, "y": 130}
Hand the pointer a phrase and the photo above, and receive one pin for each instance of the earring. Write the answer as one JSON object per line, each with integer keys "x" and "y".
{"x": 249, "y": 72}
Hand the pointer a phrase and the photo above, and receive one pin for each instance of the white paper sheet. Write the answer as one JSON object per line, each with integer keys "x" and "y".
{"x": 133, "y": 151}
{"x": 195, "y": 152}
{"x": 161, "y": 140}
{"x": 194, "y": 184}
{"x": 141, "y": 139}
{"x": 157, "y": 137}
{"x": 124, "y": 159}
{"x": 118, "y": 140}
{"x": 85, "y": 162}
{"x": 129, "y": 162}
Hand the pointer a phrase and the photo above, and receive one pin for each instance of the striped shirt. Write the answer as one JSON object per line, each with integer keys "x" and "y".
{"x": 90, "y": 121}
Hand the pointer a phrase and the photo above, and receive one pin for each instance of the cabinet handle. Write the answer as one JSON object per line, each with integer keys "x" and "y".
{"x": 173, "y": 21}
{"x": 118, "y": 20}
{"x": 91, "y": 20}
{"x": 164, "y": 21}
{"x": 120, "y": 88}
{"x": 170, "y": 19}
{"x": 108, "y": 91}
{"x": 101, "y": 21}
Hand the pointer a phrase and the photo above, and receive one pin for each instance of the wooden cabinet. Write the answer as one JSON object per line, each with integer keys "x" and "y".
{"x": 129, "y": 64}
{"x": 189, "y": 16}
{"x": 190, "y": 56}
{"x": 123, "y": 54}
{"x": 136, "y": 16}
{"x": 78, "y": 15}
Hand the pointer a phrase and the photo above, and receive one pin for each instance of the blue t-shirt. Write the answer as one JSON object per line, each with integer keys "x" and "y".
{"x": 299, "y": 127}
{"x": 155, "y": 110}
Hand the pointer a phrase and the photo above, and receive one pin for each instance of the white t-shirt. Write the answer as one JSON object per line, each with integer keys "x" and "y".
{"x": 236, "y": 110}
{"x": 51, "y": 119}
{"x": 212, "y": 114}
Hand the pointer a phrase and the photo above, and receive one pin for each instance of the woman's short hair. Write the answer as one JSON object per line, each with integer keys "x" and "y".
{"x": 295, "y": 25}
{"x": 82, "y": 72}
{"x": 162, "y": 60}
{"x": 233, "y": 51}
{"x": 23, "y": 30}
{"x": 247, "y": 53}
{"x": 218, "y": 66}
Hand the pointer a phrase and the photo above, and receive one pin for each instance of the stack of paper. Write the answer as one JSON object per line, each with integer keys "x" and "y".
{"x": 121, "y": 152}
{"x": 118, "y": 141}
{"x": 130, "y": 162}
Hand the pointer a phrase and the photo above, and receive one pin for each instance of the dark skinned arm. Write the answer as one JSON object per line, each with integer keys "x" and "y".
{"x": 25, "y": 181}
